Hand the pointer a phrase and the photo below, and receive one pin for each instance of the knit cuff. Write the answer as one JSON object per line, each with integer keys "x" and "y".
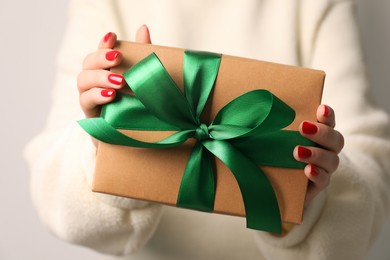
{"x": 299, "y": 232}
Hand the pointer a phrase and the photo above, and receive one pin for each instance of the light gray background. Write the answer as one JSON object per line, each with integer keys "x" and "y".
{"x": 31, "y": 32}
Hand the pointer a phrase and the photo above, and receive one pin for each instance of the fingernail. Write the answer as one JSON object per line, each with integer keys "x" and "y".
{"x": 313, "y": 171}
{"x": 115, "y": 79}
{"x": 326, "y": 111}
{"x": 144, "y": 26}
{"x": 309, "y": 128}
{"x": 107, "y": 92}
{"x": 303, "y": 152}
{"x": 112, "y": 55}
{"x": 107, "y": 36}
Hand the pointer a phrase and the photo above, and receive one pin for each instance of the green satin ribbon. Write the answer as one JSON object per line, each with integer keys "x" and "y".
{"x": 245, "y": 133}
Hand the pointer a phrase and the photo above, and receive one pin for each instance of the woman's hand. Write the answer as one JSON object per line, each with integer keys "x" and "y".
{"x": 321, "y": 162}
{"x": 97, "y": 85}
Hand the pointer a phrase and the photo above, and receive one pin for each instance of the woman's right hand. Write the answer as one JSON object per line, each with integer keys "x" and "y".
{"x": 97, "y": 85}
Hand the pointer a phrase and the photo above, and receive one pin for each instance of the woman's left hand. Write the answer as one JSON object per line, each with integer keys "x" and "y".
{"x": 321, "y": 161}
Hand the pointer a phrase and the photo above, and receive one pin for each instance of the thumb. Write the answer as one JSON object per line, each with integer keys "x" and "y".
{"x": 143, "y": 35}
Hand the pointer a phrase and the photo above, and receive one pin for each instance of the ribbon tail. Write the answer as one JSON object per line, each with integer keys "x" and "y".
{"x": 279, "y": 148}
{"x": 101, "y": 130}
{"x": 261, "y": 205}
{"x": 197, "y": 188}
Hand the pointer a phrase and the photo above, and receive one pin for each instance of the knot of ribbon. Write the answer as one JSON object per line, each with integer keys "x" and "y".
{"x": 245, "y": 133}
{"x": 202, "y": 133}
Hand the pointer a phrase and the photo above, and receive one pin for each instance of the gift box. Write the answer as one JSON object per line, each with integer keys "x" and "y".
{"x": 208, "y": 132}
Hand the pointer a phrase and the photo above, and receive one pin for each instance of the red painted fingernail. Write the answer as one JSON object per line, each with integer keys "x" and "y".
{"x": 303, "y": 152}
{"x": 309, "y": 128}
{"x": 115, "y": 79}
{"x": 107, "y": 36}
{"x": 107, "y": 92}
{"x": 326, "y": 111}
{"x": 112, "y": 55}
{"x": 313, "y": 171}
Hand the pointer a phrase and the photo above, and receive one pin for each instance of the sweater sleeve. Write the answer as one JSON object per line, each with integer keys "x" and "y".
{"x": 62, "y": 156}
{"x": 344, "y": 220}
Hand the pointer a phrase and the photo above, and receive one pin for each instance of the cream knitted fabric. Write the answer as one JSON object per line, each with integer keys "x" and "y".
{"x": 341, "y": 223}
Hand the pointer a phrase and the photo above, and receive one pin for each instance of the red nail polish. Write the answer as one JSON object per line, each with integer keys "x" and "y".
{"x": 107, "y": 92}
{"x": 303, "y": 152}
{"x": 107, "y": 36}
{"x": 112, "y": 55}
{"x": 326, "y": 111}
{"x": 115, "y": 79}
{"x": 309, "y": 128}
{"x": 313, "y": 171}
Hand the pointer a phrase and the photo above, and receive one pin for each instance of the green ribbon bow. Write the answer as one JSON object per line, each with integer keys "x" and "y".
{"x": 245, "y": 132}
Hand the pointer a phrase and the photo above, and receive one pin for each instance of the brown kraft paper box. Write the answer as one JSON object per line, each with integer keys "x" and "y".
{"x": 155, "y": 174}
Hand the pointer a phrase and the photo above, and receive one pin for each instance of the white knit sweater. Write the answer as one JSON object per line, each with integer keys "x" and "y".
{"x": 341, "y": 223}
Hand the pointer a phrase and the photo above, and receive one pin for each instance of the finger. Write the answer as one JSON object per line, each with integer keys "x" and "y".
{"x": 108, "y": 41}
{"x": 323, "y": 135}
{"x": 317, "y": 176}
{"x": 89, "y": 79}
{"x": 326, "y": 115}
{"x": 92, "y": 99}
{"x": 102, "y": 59}
{"x": 327, "y": 160}
{"x": 143, "y": 35}
{"x": 318, "y": 181}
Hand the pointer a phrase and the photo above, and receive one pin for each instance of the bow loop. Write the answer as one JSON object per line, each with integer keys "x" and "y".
{"x": 201, "y": 69}
{"x": 155, "y": 89}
